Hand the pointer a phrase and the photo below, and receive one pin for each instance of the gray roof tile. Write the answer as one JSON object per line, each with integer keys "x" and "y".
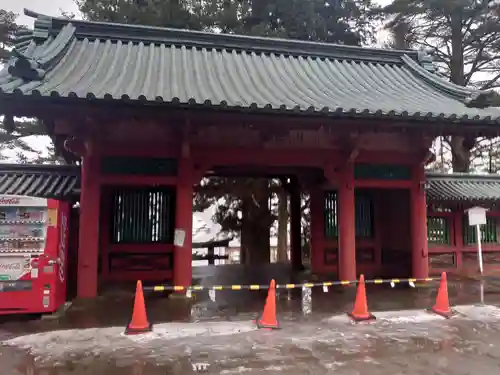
{"x": 463, "y": 187}
{"x": 63, "y": 182}
{"x": 67, "y": 58}
{"x": 43, "y": 181}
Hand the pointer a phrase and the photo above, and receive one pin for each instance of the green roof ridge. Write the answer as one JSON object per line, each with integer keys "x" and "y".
{"x": 470, "y": 96}
{"x": 46, "y": 25}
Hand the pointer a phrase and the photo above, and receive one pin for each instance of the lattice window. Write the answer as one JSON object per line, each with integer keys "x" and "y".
{"x": 438, "y": 230}
{"x": 143, "y": 215}
{"x": 488, "y": 232}
{"x": 331, "y": 223}
{"x": 363, "y": 215}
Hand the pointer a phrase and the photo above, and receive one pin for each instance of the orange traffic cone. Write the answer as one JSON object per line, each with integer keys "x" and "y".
{"x": 268, "y": 318}
{"x": 139, "y": 323}
{"x": 442, "y": 306}
{"x": 360, "y": 311}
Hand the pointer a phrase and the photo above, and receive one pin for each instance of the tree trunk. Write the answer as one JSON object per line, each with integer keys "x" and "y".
{"x": 460, "y": 146}
{"x": 282, "y": 256}
{"x": 461, "y": 153}
{"x": 256, "y": 225}
{"x": 400, "y": 33}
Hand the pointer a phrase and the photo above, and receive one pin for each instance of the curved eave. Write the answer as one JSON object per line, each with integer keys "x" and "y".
{"x": 463, "y": 188}
{"x": 86, "y": 62}
{"x": 159, "y": 102}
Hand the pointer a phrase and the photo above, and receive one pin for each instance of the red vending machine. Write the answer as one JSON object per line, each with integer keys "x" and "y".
{"x": 33, "y": 254}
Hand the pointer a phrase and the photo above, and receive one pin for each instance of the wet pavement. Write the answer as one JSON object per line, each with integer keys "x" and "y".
{"x": 218, "y": 337}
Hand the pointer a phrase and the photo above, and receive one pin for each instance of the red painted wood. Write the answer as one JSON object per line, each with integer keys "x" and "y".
{"x": 154, "y": 276}
{"x": 149, "y": 248}
{"x": 88, "y": 245}
{"x": 457, "y": 246}
{"x": 149, "y": 149}
{"x": 418, "y": 215}
{"x": 294, "y": 157}
{"x": 205, "y": 157}
{"x": 265, "y": 157}
{"x": 106, "y": 220}
{"x": 388, "y": 157}
{"x": 347, "y": 232}
{"x": 184, "y": 220}
{"x": 484, "y": 246}
{"x": 378, "y": 223}
{"x": 458, "y": 237}
{"x": 442, "y": 249}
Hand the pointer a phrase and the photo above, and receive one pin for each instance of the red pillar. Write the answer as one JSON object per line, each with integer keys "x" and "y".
{"x": 317, "y": 207}
{"x": 346, "y": 223}
{"x": 458, "y": 235}
{"x": 183, "y": 271}
{"x": 295, "y": 226}
{"x": 418, "y": 212}
{"x": 88, "y": 241}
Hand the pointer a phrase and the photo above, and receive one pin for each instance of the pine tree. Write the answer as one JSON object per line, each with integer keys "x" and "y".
{"x": 463, "y": 36}
{"x": 13, "y": 144}
{"x": 8, "y": 28}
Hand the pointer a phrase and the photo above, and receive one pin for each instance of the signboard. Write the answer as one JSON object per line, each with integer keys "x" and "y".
{"x": 179, "y": 237}
{"x": 477, "y": 216}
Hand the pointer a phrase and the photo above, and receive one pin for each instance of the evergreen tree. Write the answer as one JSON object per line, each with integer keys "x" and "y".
{"x": 8, "y": 28}
{"x": 13, "y": 144}
{"x": 464, "y": 38}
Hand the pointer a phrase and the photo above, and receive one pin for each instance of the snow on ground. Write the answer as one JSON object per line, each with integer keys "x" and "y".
{"x": 169, "y": 331}
{"x": 174, "y": 340}
{"x": 101, "y": 340}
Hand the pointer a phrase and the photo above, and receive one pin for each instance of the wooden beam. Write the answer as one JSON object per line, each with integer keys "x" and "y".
{"x": 165, "y": 113}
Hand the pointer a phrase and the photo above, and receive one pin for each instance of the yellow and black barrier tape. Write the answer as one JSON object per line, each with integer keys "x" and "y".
{"x": 164, "y": 288}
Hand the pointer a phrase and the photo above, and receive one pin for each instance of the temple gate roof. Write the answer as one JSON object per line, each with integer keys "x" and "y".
{"x": 63, "y": 59}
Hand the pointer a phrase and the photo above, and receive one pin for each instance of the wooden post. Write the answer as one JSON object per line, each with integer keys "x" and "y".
{"x": 418, "y": 212}
{"x": 183, "y": 271}
{"x": 458, "y": 235}
{"x": 211, "y": 255}
{"x": 88, "y": 242}
{"x": 347, "y": 230}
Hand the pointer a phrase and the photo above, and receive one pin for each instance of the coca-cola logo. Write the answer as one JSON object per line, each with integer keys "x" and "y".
{"x": 62, "y": 245}
{"x": 4, "y": 200}
{"x": 10, "y": 266}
